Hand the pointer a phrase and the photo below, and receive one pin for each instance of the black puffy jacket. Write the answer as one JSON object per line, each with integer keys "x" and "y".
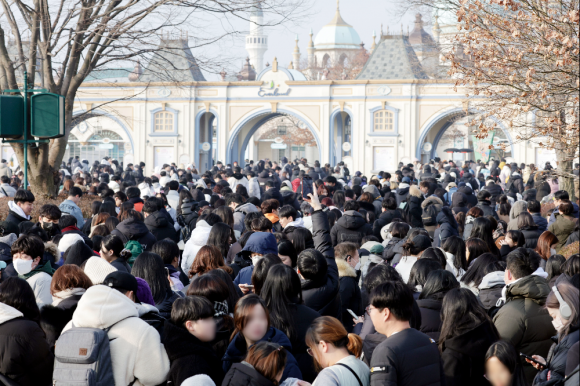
{"x": 385, "y": 219}
{"x": 131, "y": 229}
{"x": 447, "y": 225}
{"x": 556, "y": 361}
{"x": 26, "y": 357}
{"x": 350, "y": 296}
{"x": 393, "y": 251}
{"x": 161, "y": 228}
{"x": 273, "y": 193}
{"x": 495, "y": 190}
{"x": 464, "y": 355}
{"x": 532, "y": 234}
{"x": 243, "y": 374}
{"x": 470, "y": 198}
{"x": 401, "y": 195}
{"x": 415, "y": 211}
{"x": 430, "y": 317}
{"x": 352, "y": 227}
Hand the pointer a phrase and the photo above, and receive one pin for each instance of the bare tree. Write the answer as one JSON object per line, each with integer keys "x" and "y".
{"x": 63, "y": 41}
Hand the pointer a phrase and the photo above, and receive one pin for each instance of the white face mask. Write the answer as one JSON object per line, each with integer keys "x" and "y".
{"x": 357, "y": 266}
{"x": 553, "y": 252}
{"x": 557, "y": 323}
{"x": 22, "y": 266}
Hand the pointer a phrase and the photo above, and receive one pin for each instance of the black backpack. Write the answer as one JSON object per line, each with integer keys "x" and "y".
{"x": 404, "y": 209}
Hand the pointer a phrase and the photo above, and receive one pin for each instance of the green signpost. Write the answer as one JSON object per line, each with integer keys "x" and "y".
{"x": 40, "y": 116}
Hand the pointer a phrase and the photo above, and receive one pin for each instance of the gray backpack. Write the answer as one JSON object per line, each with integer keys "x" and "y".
{"x": 83, "y": 358}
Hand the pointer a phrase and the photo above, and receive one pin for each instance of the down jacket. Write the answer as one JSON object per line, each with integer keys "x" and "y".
{"x": 415, "y": 200}
{"x": 136, "y": 350}
{"x": 197, "y": 240}
{"x": 556, "y": 360}
{"x": 131, "y": 229}
{"x": 350, "y": 295}
{"x": 447, "y": 225}
{"x": 524, "y": 322}
{"x": 240, "y": 214}
{"x": 351, "y": 227}
{"x": 26, "y": 357}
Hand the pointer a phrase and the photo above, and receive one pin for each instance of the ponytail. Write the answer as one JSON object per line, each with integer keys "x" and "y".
{"x": 409, "y": 248}
{"x": 354, "y": 345}
{"x": 125, "y": 254}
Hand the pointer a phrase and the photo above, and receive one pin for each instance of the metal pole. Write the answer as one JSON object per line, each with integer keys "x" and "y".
{"x": 25, "y": 130}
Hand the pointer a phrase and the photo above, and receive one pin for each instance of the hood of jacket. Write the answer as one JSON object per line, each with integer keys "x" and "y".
{"x": 238, "y": 176}
{"x": 531, "y": 287}
{"x": 351, "y": 220}
{"x": 246, "y": 208}
{"x": 133, "y": 229}
{"x": 200, "y": 234}
{"x": 402, "y": 191}
{"x": 414, "y": 191}
{"x": 466, "y": 190}
{"x": 517, "y": 208}
{"x": 446, "y": 216}
{"x": 8, "y": 313}
{"x": 458, "y": 200}
{"x": 372, "y": 189}
{"x": 492, "y": 279}
{"x": 101, "y": 307}
{"x": 143, "y": 186}
{"x": 18, "y": 210}
{"x": 431, "y": 200}
{"x": 261, "y": 242}
{"x": 344, "y": 269}
{"x": 157, "y": 220}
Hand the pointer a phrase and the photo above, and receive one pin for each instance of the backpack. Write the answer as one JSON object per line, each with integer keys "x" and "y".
{"x": 404, "y": 209}
{"x": 82, "y": 357}
{"x": 429, "y": 216}
{"x": 136, "y": 249}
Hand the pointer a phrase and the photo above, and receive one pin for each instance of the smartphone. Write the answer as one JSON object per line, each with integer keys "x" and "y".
{"x": 531, "y": 359}
{"x": 248, "y": 286}
{"x": 352, "y": 313}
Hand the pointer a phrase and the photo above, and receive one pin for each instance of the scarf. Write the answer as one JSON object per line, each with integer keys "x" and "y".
{"x": 65, "y": 294}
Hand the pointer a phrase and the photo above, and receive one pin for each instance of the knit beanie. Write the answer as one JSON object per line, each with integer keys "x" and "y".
{"x": 144, "y": 292}
{"x": 97, "y": 269}
{"x": 68, "y": 240}
{"x": 77, "y": 253}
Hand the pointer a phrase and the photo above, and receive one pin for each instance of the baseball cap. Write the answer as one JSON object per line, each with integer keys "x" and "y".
{"x": 422, "y": 242}
{"x": 121, "y": 280}
{"x": 406, "y": 180}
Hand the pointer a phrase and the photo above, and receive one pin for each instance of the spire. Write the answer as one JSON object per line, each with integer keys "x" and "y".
{"x": 311, "y": 42}
{"x": 337, "y": 19}
{"x": 296, "y": 54}
{"x": 374, "y": 45}
{"x": 436, "y": 29}
{"x": 296, "y": 49}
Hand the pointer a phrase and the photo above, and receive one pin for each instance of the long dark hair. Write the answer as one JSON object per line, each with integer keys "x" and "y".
{"x": 554, "y": 266}
{"x": 456, "y": 246}
{"x": 438, "y": 283}
{"x": 476, "y": 272}
{"x": 420, "y": 271}
{"x": 149, "y": 267}
{"x": 435, "y": 254}
{"x": 219, "y": 237}
{"x": 281, "y": 293}
{"x": 301, "y": 239}
{"x": 483, "y": 229}
{"x": 17, "y": 293}
{"x": 215, "y": 289}
{"x": 115, "y": 244}
{"x": 286, "y": 248}
{"x": 261, "y": 270}
{"x": 460, "y": 312}
{"x": 508, "y": 356}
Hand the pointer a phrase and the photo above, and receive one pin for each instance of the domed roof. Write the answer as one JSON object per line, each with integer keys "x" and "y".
{"x": 337, "y": 34}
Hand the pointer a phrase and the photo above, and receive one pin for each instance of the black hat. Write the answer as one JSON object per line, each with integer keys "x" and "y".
{"x": 121, "y": 280}
{"x": 422, "y": 242}
{"x": 78, "y": 253}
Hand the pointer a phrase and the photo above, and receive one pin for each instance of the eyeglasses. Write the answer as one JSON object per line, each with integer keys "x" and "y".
{"x": 369, "y": 308}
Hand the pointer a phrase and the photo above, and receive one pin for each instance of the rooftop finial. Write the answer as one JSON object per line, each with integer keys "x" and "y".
{"x": 337, "y": 5}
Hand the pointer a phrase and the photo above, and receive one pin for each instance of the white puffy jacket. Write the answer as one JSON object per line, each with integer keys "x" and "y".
{"x": 197, "y": 240}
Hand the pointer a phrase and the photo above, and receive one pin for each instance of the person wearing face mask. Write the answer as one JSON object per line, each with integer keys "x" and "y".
{"x": 259, "y": 244}
{"x": 252, "y": 325}
{"x": 187, "y": 340}
{"x": 27, "y": 252}
{"x": 563, "y": 305}
{"x": 48, "y": 217}
{"x": 348, "y": 262}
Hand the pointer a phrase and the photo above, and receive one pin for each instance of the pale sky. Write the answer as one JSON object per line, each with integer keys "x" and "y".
{"x": 364, "y": 15}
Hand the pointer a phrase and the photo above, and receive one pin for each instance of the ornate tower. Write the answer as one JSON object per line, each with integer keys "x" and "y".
{"x": 296, "y": 54}
{"x": 256, "y": 41}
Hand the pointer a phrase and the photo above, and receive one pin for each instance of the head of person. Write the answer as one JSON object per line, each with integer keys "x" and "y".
{"x": 534, "y": 206}
{"x": 391, "y": 307}
{"x": 287, "y": 253}
{"x": 168, "y": 250}
{"x": 25, "y": 200}
{"x": 112, "y": 248}
{"x": 455, "y": 245}
{"x": 503, "y": 366}
{"x": 287, "y": 214}
{"x": 326, "y": 337}
{"x": 123, "y": 282}
{"x": 251, "y": 318}
{"x": 417, "y": 245}
{"x": 566, "y": 208}
{"x": 439, "y": 282}
{"x": 74, "y": 194}
{"x": 474, "y": 247}
{"x": 554, "y": 266}
{"x": 521, "y": 262}
{"x": 269, "y": 359}
{"x": 347, "y": 252}
{"x": 459, "y": 305}
{"x": 48, "y": 216}
{"x": 435, "y": 254}
{"x": 312, "y": 265}
{"x": 560, "y": 196}
{"x": 67, "y": 277}
{"x": 476, "y": 271}
{"x": 546, "y": 246}
{"x": 27, "y": 253}
{"x": 195, "y": 314}
{"x": 261, "y": 270}
{"x": 484, "y": 195}
{"x": 563, "y": 304}
{"x": 209, "y": 257}
{"x": 17, "y": 293}
{"x": 149, "y": 267}
{"x": 419, "y": 272}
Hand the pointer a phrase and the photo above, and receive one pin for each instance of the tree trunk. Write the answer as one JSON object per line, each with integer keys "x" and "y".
{"x": 566, "y": 181}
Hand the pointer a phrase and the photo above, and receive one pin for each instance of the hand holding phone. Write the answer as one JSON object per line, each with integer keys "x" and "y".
{"x": 535, "y": 360}
{"x": 352, "y": 313}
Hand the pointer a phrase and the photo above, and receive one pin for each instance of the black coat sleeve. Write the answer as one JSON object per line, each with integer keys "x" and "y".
{"x": 321, "y": 234}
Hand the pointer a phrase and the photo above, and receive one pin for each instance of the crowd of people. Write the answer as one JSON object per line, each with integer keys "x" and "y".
{"x": 290, "y": 273}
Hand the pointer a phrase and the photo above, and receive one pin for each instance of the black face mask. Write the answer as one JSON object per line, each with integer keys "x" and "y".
{"x": 47, "y": 226}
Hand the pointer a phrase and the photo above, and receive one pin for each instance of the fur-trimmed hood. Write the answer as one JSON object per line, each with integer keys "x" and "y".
{"x": 431, "y": 200}
{"x": 52, "y": 248}
{"x": 415, "y": 191}
{"x": 344, "y": 269}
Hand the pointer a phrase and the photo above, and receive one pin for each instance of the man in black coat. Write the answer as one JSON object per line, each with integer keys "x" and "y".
{"x": 351, "y": 227}
{"x": 19, "y": 210}
{"x": 414, "y": 201}
{"x": 484, "y": 203}
{"x": 407, "y": 357}
{"x": 133, "y": 228}
{"x": 272, "y": 193}
{"x": 157, "y": 222}
{"x": 347, "y": 260}
{"x": 389, "y": 213}
{"x": 495, "y": 190}
{"x": 469, "y": 196}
